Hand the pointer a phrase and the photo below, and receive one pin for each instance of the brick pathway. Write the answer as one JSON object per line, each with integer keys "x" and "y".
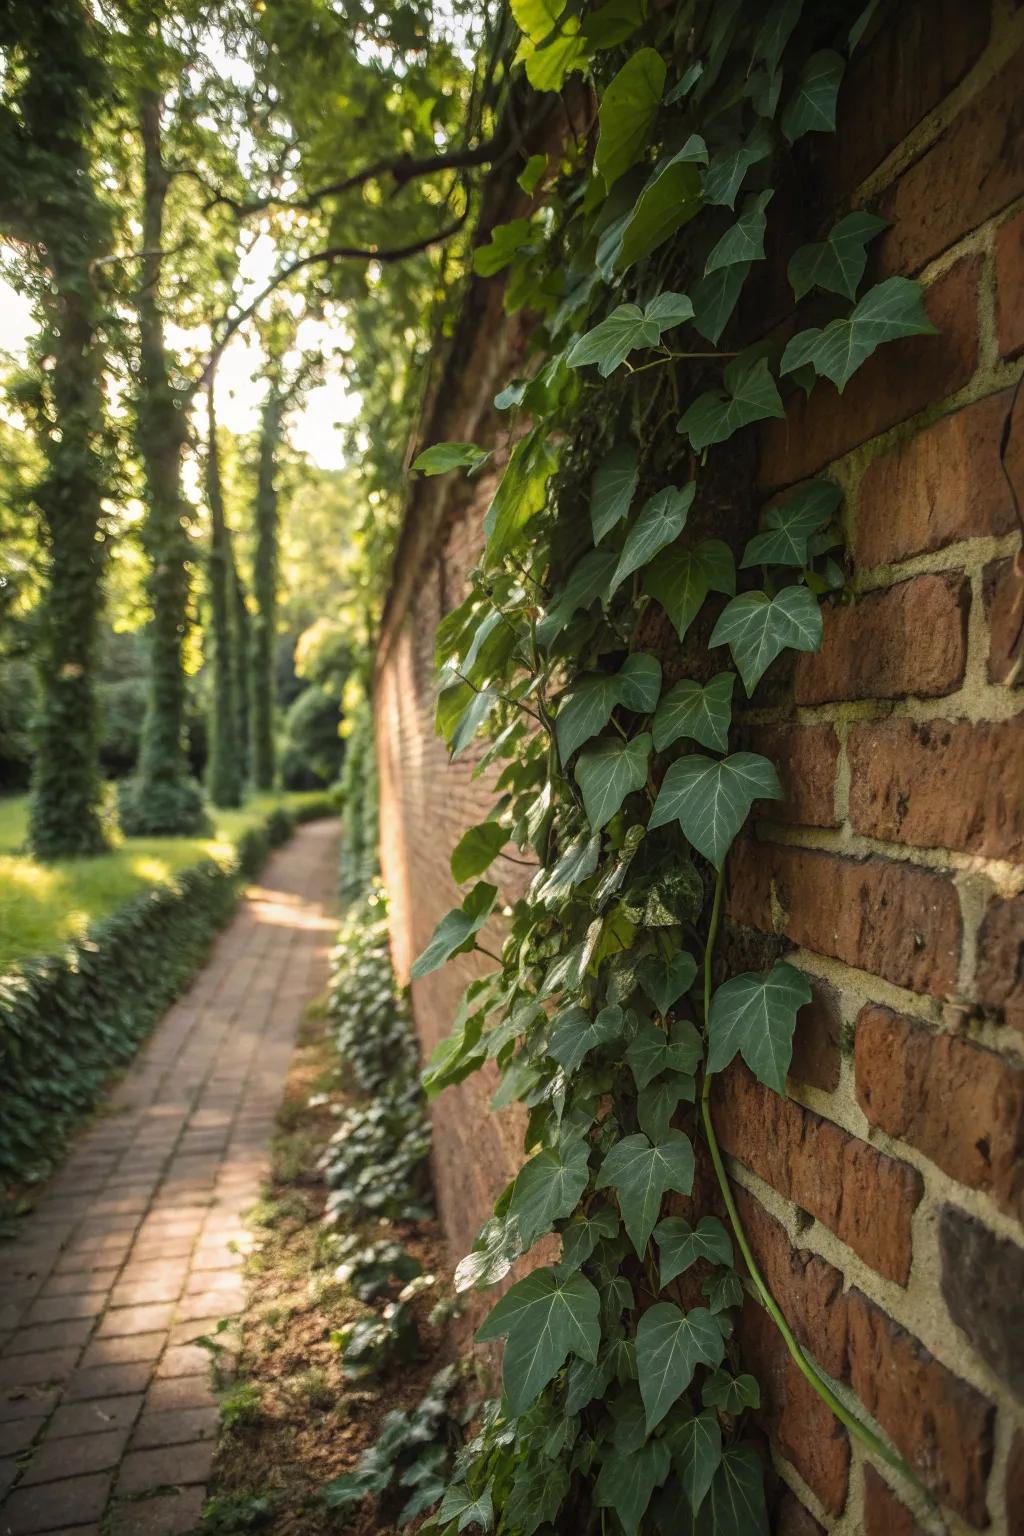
{"x": 106, "y": 1410}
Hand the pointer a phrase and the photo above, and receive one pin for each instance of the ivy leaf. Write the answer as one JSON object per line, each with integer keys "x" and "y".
{"x": 887, "y": 312}
{"x": 612, "y": 489}
{"x": 699, "y": 714}
{"x": 837, "y": 263}
{"x": 729, "y": 167}
{"x": 758, "y": 628}
{"x": 658, "y": 1102}
{"x": 461, "y": 1505}
{"x": 588, "y": 708}
{"x": 812, "y": 109}
{"x": 750, "y": 394}
{"x": 641, "y": 1172}
{"x": 627, "y": 1479}
{"x": 680, "y": 579}
{"x": 669, "y": 309}
{"x": 680, "y": 1245}
{"x": 537, "y": 1495}
{"x": 716, "y": 296}
{"x": 654, "y": 1050}
{"x": 496, "y": 1249}
{"x": 736, "y": 1504}
{"x": 613, "y": 23}
{"x": 505, "y": 241}
{"x": 576, "y": 864}
{"x": 582, "y": 1235}
{"x": 670, "y": 1344}
{"x": 626, "y": 328}
{"x": 711, "y": 800}
{"x": 639, "y": 682}
{"x": 627, "y": 113}
{"x": 521, "y": 494}
{"x": 546, "y": 1318}
{"x": 730, "y": 1393}
{"x": 756, "y": 1015}
{"x": 789, "y": 527}
{"x": 445, "y": 456}
{"x": 547, "y": 67}
{"x": 589, "y": 579}
{"x": 537, "y": 17}
{"x": 775, "y": 32}
{"x": 723, "y": 1290}
{"x": 472, "y": 718}
{"x": 665, "y": 981}
{"x": 670, "y": 198}
{"x": 476, "y": 849}
{"x": 609, "y": 772}
{"x": 455, "y": 931}
{"x": 696, "y": 1447}
{"x": 744, "y": 242}
{"x": 661, "y": 520}
{"x": 547, "y": 1188}
{"x": 577, "y": 1034}
{"x": 585, "y": 1381}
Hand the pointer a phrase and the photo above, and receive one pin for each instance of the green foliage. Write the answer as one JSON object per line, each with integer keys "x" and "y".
{"x": 313, "y": 751}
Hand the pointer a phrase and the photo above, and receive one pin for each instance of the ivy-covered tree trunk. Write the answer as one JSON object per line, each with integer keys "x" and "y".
{"x": 163, "y": 799}
{"x": 224, "y": 770}
{"x": 241, "y": 643}
{"x": 265, "y": 590}
{"x": 50, "y": 205}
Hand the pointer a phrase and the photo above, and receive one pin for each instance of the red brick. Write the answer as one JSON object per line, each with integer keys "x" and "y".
{"x": 901, "y": 379}
{"x": 806, "y": 758}
{"x": 143, "y": 1471}
{"x": 1010, "y": 286}
{"x": 999, "y": 980}
{"x": 1003, "y": 591}
{"x": 1015, "y": 1487}
{"x": 807, "y": 1288}
{"x": 884, "y": 1514}
{"x": 799, "y": 1423}
{"x": 974, "y": 170}
{"x": 891, "y": 919}
{"x": 123, "y": 1320}
{"x": 944, "y": 483}
{"x": 817, "y": 1038}
{"x": 941, "y": 1424}
{"x": 910, "y": 639}
{"x": 72, "y": 1501}
{"x": 940, "y": 784}
{"x": 959, "y": 1104}
{"x": 865, "y": 1197}
{"x": 899, "y": 75}
{"x": 59, "y": 1458}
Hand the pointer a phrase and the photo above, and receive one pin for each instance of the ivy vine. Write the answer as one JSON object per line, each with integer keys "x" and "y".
{"x": 625, "y": 1404}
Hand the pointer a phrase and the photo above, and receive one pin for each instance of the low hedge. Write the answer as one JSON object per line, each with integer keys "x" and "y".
{"x": 68, "y": 1020}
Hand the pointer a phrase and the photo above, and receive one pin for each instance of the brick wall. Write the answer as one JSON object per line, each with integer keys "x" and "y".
{"x": 885, "y": 1197}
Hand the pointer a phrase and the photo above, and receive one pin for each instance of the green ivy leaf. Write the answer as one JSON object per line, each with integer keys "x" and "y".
{"x": 837, "y": 263}
{"x": 577, "y": 863}
{"x": 744, "y": 242}
{"x": 789, "y": 527}
{"x": 537, "y": 1495}
{"x": 711, "y": 800}
{"x": 750, "y": 394}
{"x": 812, "y": 109}
{"x": 537, "y": 17}
{"x": 639, "y": 682}
{"x": 529, "y": 179}
{"x": 756, "y": 1015}
{"x": 696, "y": 1447}
{"x": 613, "y": 23}
{"x": 775, "y": 32}
{"x": 758, "y": 628}
{"x": 658, "y": 1102}
{"x": 476, "y": 850}
{"x": 612, "y": 489}
{"x": 589, "y": 579}
{"x": 627, "y": 1479}
{"x": 627, "y": 113}
{"x": 716, "y": 296}
{"x": 730, "y": 1393}
{"x": 723, "y": 1290}
{"x": 466, "y": 1508}
{"x": 472, "y": 718}
{"x": 521, "y": 494}
{"x": 576, "y": 1034}
{"x": 729, "y": 167}
{"x": 680, "y": 579}
{"x": 887, "y": 312}
{"x": 670, "y": 199}
{"x": 699, "y": 714}
{"x": 654, "y": 1050}
{"x": 445, "y": 456}
{"x": 506, "y": 240}
{"x": 680, "y": 1245}
{"x": 456, "y": 930}
{"x": 548, "y": 67}
{"x": 548, "y": 1188}
{"x": 665, "y": 981}
{"x": 736, "y": 1504}
{"x": 670, "y": 1344}
{"x": 589, "y": 706}
{"x": 641, "y": 1173}
{"x": 609, "y": 772}
{"x": 582, "y": 1234}
{"x": 496, "y": 1249}
{"x": 661, "y": 520}
{"x": 626, "y": 328}
{"x": 546, "y": 1319}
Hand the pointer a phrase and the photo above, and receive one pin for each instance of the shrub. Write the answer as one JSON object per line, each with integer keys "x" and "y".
{"x": 313, "y": 750}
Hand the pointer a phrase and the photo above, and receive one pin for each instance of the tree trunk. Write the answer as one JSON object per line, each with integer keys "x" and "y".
{"x": 66, "y": 221}
{"x": 241, "y": 640}
{"x": 265, "y": 591}
{"x": 163, "y": 799}
{"x": 224, "y": 770}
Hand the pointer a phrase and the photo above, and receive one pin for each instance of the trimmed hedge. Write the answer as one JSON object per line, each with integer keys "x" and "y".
{"x": 68, "y": 1020}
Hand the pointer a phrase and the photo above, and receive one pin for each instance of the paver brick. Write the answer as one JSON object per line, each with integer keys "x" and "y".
{"x": 61, "y": 1457}
{"x": 94, "y": 1417}
{"x": 175, "y": 1427}
{"x": 172, "y": 1514}
{"x": 143, "y": 1471}
{"x": 124, "y": 1320}
{"x": 107, "y": 1381}
{"x": 126, "y": 1348}
{"x": 51, "y": 1505}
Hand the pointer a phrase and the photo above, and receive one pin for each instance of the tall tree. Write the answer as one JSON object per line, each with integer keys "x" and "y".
{"x": 50, "y": 206}
{"x": 241, "y": 644}
{"x": 264, "y": 627}
{"x": 224, "y": 772}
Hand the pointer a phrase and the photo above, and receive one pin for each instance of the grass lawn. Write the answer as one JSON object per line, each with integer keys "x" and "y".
{"x": 44, "y": 905}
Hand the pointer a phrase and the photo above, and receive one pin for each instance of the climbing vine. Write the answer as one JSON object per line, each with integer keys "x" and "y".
{"x": 621, "y": 511}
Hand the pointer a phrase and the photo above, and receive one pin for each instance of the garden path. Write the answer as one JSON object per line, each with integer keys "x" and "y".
{"x": 107, "y": 1417}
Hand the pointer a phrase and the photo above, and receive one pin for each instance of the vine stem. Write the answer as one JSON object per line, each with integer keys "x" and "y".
{"x": 856, "y": 1427}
